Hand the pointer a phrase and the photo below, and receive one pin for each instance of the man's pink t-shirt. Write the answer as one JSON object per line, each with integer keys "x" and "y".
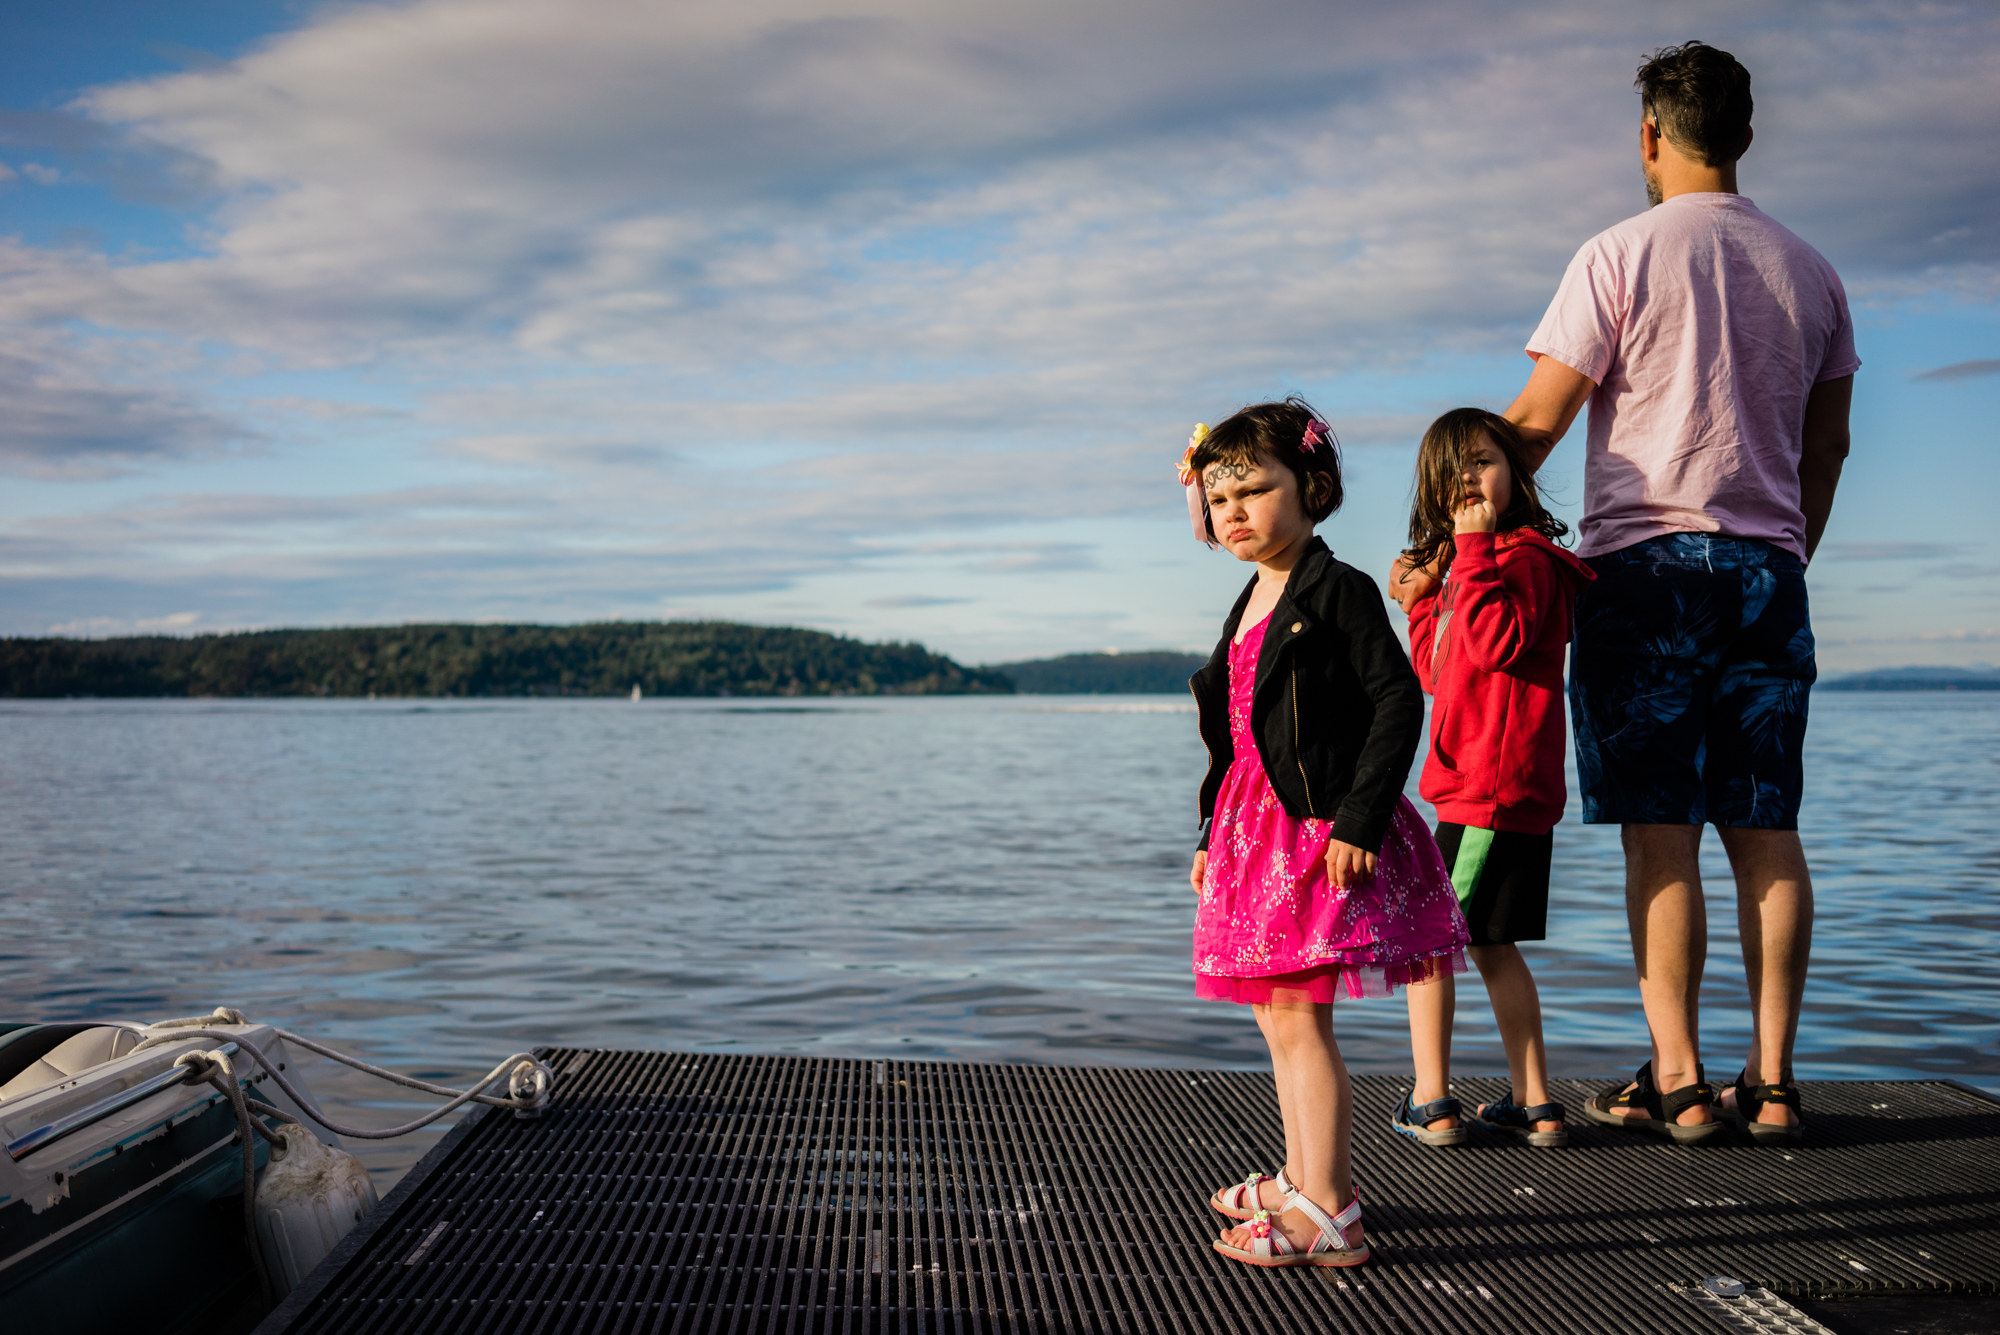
{"x": 1705, "y": 324}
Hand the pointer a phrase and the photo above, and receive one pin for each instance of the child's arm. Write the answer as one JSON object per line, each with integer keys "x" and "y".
{"x": 1423, "y": 636}
{"x": 1500, "y": 608}
{"x": 1391, "y": 685}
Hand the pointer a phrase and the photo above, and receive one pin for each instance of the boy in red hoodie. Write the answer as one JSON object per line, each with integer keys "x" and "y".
{"x": 1488, "y": 645}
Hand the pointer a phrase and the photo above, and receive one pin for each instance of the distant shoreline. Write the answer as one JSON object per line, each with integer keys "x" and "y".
{"x": 1916, "y": 679}
{"x": 458, "y": 661}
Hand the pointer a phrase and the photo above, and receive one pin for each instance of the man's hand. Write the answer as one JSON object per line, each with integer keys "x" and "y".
{"x": 1408, "y": 583}
{"x": 1475, "y": 516}
{"x": 1347, "y": 865}
{"x": 1200, "y": 871}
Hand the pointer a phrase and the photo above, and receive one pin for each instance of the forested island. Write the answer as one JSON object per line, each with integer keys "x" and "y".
{"x": 1153, "y": 672}
{"x": 1917, "y": 679}
{"x": 609, "y": 658}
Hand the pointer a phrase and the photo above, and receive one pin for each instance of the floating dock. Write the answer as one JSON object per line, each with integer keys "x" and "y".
{"x": 703, "y": 1192}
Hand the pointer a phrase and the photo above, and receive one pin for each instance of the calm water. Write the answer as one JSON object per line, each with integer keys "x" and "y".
{"x": 995, "y": 879}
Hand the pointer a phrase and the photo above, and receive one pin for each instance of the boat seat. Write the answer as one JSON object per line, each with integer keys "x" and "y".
{"x": 73, "y": 1056}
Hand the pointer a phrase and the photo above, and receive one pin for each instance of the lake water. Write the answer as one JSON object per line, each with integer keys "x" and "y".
{"x": 435, "y": 885}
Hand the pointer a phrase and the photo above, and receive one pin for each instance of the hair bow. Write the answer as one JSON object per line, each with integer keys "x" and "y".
{"x": 1317, "y": 433}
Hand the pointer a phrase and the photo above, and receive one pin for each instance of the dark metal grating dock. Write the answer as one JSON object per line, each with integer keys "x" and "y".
{"x": 700, "y": 1192}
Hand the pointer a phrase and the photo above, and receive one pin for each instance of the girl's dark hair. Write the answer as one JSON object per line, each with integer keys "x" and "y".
{"x": 1275, "y": 431}
{"x": 1441, "y": 485}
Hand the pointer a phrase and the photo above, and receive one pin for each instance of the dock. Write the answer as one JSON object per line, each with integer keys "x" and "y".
{"x": 668, "y": 1191}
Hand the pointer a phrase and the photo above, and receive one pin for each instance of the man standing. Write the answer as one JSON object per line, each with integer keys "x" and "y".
{"x": 1715, "y": 351}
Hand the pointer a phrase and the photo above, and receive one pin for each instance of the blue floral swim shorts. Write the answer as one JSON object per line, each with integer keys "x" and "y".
{"x": 1689, "y": 676}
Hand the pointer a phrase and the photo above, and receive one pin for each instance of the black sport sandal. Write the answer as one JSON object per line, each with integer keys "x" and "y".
{"x": 1660, "y": 1109}
{"x": 1750, "y": 1100}
{"x": 1503, "y": 1114}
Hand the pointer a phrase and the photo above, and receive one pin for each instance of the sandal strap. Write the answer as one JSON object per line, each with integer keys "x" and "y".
{"x": 1424, "y": 1114}
{"x": 1642, "y": 1095}
{"x": 1284, "y": 1184}
{"x": 1503, "y": 1111}
{"x": 1784, "y": 1092}
{"x": 1676, "y": 1102}
{"x": 1304, "y": 1205}
{"x": 1266, "y": 1238}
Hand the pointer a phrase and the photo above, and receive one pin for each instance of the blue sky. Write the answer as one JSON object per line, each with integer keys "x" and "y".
{"x": 891, "y": 318}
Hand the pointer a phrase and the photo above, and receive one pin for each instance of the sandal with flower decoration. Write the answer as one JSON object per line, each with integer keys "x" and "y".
{"x": 1271, "y": 1248}
{"x": 1245, "y": 1198}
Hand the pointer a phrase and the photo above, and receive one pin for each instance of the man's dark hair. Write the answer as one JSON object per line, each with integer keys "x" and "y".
{"x": 1699, "y": 98}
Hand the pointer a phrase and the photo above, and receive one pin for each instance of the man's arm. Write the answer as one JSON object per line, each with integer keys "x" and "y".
{"x": 1549, "y": 402}
{"x": 1824, "y": 449}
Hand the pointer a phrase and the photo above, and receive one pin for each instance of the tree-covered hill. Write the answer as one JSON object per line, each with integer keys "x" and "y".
{"x": 1153, "y": 673}
{"x": 662, "y": 658}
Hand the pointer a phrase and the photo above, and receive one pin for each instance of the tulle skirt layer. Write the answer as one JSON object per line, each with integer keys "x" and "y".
{"x": 1326, "y": 983}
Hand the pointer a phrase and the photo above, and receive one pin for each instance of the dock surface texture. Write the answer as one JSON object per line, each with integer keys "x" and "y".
{"x": 705, "y": 1192}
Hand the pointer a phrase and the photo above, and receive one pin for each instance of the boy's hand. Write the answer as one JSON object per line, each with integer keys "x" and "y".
{"x": 1407, "y": 583}
{"x": 1200, "y": 871}
{"x": 1347, "y": 865}
{"x": 1475, "y": 516}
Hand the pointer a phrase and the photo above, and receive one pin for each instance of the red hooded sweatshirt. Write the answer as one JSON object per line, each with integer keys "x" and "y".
{"x": 1488, "y": 645}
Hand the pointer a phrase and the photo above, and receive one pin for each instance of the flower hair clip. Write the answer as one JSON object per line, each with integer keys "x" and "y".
{"x": 1317, "y": 434}
{"x": 1197, "y": 500}
{"x": 1195, "y": 438}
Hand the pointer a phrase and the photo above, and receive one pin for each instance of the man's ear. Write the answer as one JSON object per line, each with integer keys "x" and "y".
{"x": 1749, "y": 133}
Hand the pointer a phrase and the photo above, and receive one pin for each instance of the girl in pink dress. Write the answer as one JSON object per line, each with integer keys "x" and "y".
{"x": 1315, "y": 875}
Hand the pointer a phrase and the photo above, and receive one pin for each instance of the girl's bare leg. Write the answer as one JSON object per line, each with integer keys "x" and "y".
{"x": 1268, "y": 1195}
{"x": 1319, "y": 1113}
{"x": 1517, "y": 1008}
{"x": 1432, "y": 1004}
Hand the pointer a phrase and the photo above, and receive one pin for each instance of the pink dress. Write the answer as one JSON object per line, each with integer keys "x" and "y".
{"x": 1271, "y": 926}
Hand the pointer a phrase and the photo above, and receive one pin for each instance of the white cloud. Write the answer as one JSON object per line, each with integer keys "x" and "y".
{"x": 891, "y": 254}
{"x": 67, "y": 416}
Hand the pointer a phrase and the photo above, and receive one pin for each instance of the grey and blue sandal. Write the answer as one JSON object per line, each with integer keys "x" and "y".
{"x": 1413, "y": 1122}
{"x": 1505, "y": 1115}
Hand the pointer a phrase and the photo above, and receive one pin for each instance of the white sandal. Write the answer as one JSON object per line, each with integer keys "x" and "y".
{"x": 1270, "y": 1247}
{"x": 1231, "y": 1200}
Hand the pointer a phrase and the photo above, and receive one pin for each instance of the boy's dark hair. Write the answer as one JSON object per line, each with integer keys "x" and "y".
{"x": 1699, "y": 98}
{"x": 1440, "y": 485}
{"x": 1275, "y": 431}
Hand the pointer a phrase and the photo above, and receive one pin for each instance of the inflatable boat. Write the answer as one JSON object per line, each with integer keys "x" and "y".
{"x": 160, "y": 1177}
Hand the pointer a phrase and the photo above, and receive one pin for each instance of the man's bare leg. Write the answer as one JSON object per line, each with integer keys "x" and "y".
{"x": 1774, "y": 912}
{"x": 1669, "y": 922}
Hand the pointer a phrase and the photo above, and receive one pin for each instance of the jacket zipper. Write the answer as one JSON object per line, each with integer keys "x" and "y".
{"x": 1298, "y": 754}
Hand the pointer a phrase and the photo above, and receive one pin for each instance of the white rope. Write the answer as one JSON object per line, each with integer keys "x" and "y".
{"x": 528, "y": 1079}
{"x": 215, "y": 1068}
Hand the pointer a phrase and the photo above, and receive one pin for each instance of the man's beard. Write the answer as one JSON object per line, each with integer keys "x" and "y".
{"x": 1655, "y": 196}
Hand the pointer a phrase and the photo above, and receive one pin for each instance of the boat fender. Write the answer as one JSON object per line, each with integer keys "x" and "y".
{"x": 308, "y": 1197}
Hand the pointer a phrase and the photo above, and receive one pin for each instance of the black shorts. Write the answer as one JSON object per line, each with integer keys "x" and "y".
{"x": 1688, "y": 684}
{"x": 1502, "y": 879}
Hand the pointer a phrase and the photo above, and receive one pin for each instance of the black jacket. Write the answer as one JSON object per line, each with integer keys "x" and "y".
{"x": 1336, "y": 709}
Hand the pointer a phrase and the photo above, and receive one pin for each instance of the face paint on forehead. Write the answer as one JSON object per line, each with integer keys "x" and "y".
{"x": 1216, "y": 472}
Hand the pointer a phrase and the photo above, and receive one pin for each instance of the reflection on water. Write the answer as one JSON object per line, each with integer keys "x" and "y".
{"x": 989, "y": 879}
